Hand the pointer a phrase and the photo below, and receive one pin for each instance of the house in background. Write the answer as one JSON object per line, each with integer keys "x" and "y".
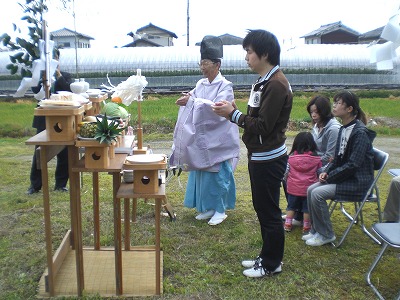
{"x": 152, "y": 36}
{"x": 334, "y": 33}
{"x": 228, "y": 39}
{"x": 66, "y": 38}
{"x": 372, "y": 36}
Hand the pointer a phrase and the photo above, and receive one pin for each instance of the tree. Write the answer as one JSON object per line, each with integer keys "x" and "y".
{"x": 27, "y": 49}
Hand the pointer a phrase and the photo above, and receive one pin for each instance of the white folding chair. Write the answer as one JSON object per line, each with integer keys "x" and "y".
{"x": 389, "y": 233}
{"x": 380, "y": 160}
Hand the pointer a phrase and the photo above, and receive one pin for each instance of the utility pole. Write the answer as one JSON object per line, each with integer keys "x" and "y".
{"x": 76, "y": 40}
{"x": 187, "y": 23}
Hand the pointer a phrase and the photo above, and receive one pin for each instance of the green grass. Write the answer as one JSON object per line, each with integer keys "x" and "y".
{"x": 159, "y": 113}
{"x": 200, "y": 261}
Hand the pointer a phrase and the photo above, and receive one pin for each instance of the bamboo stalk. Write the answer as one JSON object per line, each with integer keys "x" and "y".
{"x": 140, "y": 129}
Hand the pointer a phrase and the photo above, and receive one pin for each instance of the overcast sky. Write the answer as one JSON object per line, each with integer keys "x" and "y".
{"x": 109, "y": 21}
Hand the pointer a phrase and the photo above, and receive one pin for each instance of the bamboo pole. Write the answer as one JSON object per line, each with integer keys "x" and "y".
{"x": 140, "y": 129}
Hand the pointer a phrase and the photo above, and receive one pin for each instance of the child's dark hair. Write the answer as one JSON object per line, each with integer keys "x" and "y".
{"x": 304, "y": 142}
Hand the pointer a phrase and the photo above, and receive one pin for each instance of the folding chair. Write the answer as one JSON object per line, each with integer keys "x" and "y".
{"x": 389, "y": 233}
{"x": 380, "y": 160}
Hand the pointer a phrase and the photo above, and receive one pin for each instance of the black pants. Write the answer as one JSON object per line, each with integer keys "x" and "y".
{"x": 61, "y": 174}
{"x": 266, "y": 178}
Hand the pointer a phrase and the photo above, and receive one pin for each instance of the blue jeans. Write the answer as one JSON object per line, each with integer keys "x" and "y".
{"x": 265, "y": 179}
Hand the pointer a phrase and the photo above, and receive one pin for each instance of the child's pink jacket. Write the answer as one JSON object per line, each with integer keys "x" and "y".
{"x": 302, "y": 172}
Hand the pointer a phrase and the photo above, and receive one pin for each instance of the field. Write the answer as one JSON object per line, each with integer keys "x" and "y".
{"x": 200, "y": 261}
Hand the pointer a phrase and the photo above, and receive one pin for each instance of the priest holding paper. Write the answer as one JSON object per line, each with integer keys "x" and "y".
{"x": 205, "y": 144}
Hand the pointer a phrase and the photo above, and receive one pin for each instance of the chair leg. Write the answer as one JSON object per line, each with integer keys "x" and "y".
{"x": 332, "y": 206}
{"x": 337, "y": 245}
{"x": 344, "y": 211}
{"x": 353, "y": 220}
{"x": 378, "y": 203}
{"x": 357, "y": 218}
{"x": 368, "y": 275}
{"x": 367, "y": 232}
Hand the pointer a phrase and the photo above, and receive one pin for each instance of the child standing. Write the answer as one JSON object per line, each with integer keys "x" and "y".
{"x": 303, "y": 164}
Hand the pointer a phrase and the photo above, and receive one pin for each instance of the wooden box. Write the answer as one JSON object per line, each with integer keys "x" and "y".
{"x": 61, "y": 128}
{"x": 145, "y": 171}
{"x": 79, "y": 118}
{"x": 96, "y": 104}
{"x": 97, "y": 156}
{"x": 60, "y": 122}
{"x": 145, "y": 181}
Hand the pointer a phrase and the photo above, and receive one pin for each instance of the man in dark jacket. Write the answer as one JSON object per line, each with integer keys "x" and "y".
{"x": 62, "y": 83}
{"x": 264, "y": 125}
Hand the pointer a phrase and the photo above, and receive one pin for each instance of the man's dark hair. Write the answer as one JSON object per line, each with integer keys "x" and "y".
{"x": 263, "y": 43}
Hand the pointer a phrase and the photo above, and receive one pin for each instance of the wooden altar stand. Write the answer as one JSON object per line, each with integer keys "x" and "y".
{"x": 74, "y": 269}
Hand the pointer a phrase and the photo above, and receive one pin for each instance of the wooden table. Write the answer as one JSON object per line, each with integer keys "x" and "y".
{"x": 48, "y": 149}
{"x": 126, "y": 192}
{"x": 114, "y": 169}
{"x": 56, "y": 263}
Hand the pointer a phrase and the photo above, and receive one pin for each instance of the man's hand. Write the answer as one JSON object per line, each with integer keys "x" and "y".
{"x": 224, "y": 108}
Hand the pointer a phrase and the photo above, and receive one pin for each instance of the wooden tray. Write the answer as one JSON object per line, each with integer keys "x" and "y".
{"x": 64, "y": 111}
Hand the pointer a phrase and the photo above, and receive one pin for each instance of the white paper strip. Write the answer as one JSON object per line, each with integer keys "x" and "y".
{"x": 384, "y": 65}
{"x": 385, "y": 51}
{"x": 391, "y": 32}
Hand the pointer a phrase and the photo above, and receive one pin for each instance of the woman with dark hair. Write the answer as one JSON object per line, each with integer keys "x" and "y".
{"x": 324, "y": 132}
{"x": 326, "y": 127}
{"x": 350, "y": 173}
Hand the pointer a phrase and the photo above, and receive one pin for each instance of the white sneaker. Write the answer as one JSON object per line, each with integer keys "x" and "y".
{"x": 308, "y": 236}
{"x": 217, "y": 218}
{"x": 251, "y": 263}
{"x": 205, "y": 215}
{"x": 319, "y": 240}
{"x": 258, "y": 271}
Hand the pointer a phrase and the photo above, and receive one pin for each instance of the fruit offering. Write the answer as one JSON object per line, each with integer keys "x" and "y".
{"x": 88, "y": 130}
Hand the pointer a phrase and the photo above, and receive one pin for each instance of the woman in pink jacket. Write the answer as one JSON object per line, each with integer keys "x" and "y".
{"x": 303, "y": 164}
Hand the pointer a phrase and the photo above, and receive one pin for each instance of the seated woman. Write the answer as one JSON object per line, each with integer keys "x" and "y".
{"x": 325, "y": 132}
{"x": 391, "y": 213}
{"x": 349, "y": 175}
{"x": 326, "y": 127}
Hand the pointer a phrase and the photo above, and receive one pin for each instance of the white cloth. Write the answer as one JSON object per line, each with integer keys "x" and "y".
{"x": 344, "y": 138}
{"x": 38, "y": 65}
{"x": 202, "y": 139}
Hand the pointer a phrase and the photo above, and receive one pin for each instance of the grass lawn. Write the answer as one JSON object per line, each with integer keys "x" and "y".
{"x": 200, "y": 261}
